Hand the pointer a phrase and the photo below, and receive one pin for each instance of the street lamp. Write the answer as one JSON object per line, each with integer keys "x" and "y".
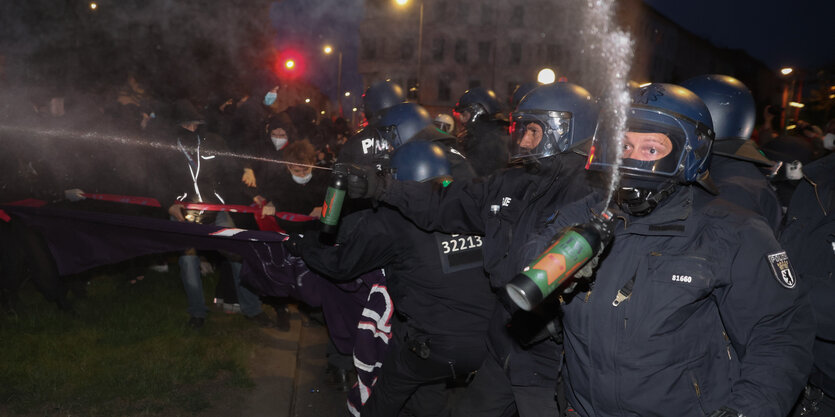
{"x": 546, "y": 76}
{"x": 347, "y": 94}
{"x": 420, "y": 41}
{"x": 786, "y": 70}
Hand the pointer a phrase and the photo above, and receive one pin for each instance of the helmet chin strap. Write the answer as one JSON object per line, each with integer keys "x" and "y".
{"x": 638, "y": 201}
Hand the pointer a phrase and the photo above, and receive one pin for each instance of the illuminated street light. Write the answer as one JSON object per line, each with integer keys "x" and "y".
{"x": 786, "y": 70}
{"x": 347, "y": 94}
{"x": 322, "y": 112}
{"x": 832, "y": 96}
{"x": 354, "y": 109}
{"x": 327, "y": 49}
{"x": 289, "y": 64}
{"x": 796, "y": 104}
{"x": 401, "y": 2}
{"x": 546, "y": 76}
{"x": 93, "y": 6}
{"x": 307, "y": 100}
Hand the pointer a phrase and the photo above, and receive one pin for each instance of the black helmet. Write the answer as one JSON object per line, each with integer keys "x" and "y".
{"x": 730, "y": 103}
{"x": 380, "y": 96}
{"x": 420, "y": 161}
{"x": 669, "y": 135}
{"x": 560, "y": 114}
{"x": 479, "y": 102}
{"x": 400, "y": 123}
{"x": 520, "y": 92}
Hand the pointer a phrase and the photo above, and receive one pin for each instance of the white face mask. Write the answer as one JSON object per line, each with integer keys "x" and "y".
{"x": 794, "y": 170}
{"x": 829, "y": 141}
{"x": 278, "y": 141}
{"x": 303, "y": 180}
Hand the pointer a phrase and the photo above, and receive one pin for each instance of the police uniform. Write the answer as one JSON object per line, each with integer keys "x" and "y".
{"x": 809, "y": 239}
{"x": 694, "y": 307}
{"x": 442, "y": 304}
{"x": 743, "y": 184}
{"x": 504, "y": 208}
{"x": 486, "y": 146}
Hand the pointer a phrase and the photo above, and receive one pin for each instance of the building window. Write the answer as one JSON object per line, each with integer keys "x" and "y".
{"x": 484, "y": 51}
{"x": 369, "y": 49}
{"x": 463, "y": 12}
{"x": 407, "y": 50}
{"x": 412, "y": 89}
{"x": 438, "y": 49}
{"x": 444, "y": 90}
{"x": 474, "y": 84}
{"x": 517, "y": 17}
{"x": 486, "y": 14}
{"x": 515, "y": 53}
{"x": 461, "y": 51}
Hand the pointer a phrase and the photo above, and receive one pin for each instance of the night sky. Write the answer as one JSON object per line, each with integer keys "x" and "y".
{"x": 798, "y": 33}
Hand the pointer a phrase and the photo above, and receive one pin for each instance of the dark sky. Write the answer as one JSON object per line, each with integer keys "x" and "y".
{"x": 796, "y": 33}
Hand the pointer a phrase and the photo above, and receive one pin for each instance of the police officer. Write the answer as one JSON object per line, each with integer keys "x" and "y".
{"x": 520, "y": 374}
{"x": 484, "y": 137}
{"x": 809, "y": 239}
{"x": 737, "y": 164}
{"x": 441, "y": 296}
{"x": 365, "y": 147}
{"x": 694, "y": 310}
{"x": 407, "y": 122}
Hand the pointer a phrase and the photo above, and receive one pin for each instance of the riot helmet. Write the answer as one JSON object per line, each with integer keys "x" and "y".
{"x": 475, "y": 104}
{"x": 398, "y": 124}
{"x": 420, "y": 161}
{"x": 669, "y": 135}
{"x": 550, "y": 119}
{"x": 444, "y": 122}
{"x": 730, "y": 103}
{"x": 520, "y": 91}
{"x": 380, "y": 96}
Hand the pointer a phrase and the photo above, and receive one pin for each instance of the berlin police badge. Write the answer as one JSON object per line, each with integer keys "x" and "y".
{"x": 782, "y": 269}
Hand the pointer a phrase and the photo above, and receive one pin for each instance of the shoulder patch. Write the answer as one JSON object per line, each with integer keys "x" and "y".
{"x": 782, "y": 269}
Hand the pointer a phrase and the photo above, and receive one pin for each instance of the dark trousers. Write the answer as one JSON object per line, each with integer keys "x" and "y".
{"x": 24, "y": 254}
{"x": 406, "y": 376}
{"x": 491, "y": 394}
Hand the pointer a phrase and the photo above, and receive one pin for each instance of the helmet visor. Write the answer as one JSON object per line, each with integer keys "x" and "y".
{"x": 539, "y": 134}
{"x": 652, "y": 147}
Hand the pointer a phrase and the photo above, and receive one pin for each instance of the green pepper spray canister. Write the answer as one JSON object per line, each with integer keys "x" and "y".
{"x": 335, "y": 196}
{"x": 571, "y": 249}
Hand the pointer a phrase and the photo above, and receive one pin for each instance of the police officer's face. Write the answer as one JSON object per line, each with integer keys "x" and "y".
{"x": 532, "y": 137}
{"x": 646, "y": 146}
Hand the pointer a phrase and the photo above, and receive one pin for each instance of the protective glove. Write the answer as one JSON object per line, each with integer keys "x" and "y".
{"x": 725, "y": 412}
{"x": 365, "y": 181}
{"x": 604, "y": 224}
{"x": 293, "y": 244}
{"x": 75, "y": 194}
{"x": 249, "y": 177}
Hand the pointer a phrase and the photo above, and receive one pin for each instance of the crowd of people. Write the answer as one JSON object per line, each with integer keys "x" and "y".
{"x": 708, "y": 294}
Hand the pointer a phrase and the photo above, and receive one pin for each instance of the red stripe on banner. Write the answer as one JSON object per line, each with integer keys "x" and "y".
{"x": 5, "y": 217}
{"x": 235, "y": 208}
{"x": 126, "y": 199}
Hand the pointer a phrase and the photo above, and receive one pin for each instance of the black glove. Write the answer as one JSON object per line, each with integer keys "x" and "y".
{"x": 365, "y": 181}
{"x": 293, "y": 244}
{"x": 725, "y": 412}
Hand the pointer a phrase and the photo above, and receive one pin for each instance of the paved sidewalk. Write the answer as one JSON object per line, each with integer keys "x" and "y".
{"x": 288, "y": 369}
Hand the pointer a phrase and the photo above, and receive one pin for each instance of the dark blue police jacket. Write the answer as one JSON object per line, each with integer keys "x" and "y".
{"x": 714, "y": 317}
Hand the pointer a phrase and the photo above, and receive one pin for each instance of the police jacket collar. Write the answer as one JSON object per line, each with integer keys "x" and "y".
{"x": 668, "y": 219}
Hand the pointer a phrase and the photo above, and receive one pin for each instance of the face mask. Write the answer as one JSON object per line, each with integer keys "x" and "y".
{"x": 829, "y": 141}
{"x": 303, "y": 180}
{"x": 269, "y": 98}
{"x": 794, "y": 170}
{"x": 278, "y": 142}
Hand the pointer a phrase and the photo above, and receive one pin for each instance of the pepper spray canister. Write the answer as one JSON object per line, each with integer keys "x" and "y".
{"x": 571, "y": 249}
{"x": 334, "y": 197}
